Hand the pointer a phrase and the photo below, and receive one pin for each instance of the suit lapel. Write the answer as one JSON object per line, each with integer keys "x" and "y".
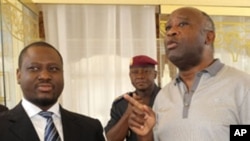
{"x": 70, "y": 127}
{"x": 21, "y": 125}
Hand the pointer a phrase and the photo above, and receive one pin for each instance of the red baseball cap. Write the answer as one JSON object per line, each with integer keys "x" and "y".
{"x": 142, "y": 60}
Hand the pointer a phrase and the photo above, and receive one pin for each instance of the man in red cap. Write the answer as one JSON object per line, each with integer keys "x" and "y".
{"x": 142, "y": 74}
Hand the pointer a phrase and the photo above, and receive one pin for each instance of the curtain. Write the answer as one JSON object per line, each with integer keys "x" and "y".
{"x": 97, "y": 42}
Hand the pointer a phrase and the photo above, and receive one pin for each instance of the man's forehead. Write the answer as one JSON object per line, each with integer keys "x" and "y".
{"x": 185, "y": 14}
{"x": 178, "y": 17}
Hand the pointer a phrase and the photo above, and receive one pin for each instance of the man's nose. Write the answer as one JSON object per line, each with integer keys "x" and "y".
{"x": 173, "y": 31}
{"x": 45, "y": 74}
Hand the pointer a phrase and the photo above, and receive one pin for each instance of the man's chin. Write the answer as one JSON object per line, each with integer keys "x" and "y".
{"x": 45, "y": 102}
{"x": 141, "y": 88}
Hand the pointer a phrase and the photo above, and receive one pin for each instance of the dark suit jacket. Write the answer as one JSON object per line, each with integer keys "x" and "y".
{"x": 3, "y": 108}
{"x": 15, "y": 125}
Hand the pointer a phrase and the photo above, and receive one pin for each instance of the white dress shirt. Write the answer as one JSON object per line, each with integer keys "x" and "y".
{"x": 39, "y": 122}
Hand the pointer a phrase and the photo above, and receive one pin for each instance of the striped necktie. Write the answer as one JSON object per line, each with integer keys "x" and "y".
{"x": 51, "y": 133}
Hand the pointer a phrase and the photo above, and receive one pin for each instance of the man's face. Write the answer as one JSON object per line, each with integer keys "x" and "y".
{"x": 41, "y": 76}
{"x": 185, "y": 38}
{"x": 142, "y": 78}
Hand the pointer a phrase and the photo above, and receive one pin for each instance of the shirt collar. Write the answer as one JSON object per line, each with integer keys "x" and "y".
{"x": 33, "y": 110}
{"x": 212, "y": 69}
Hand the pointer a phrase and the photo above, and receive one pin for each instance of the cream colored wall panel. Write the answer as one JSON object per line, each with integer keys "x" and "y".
{"x": 226, "y": 11}
{"x": 244, "y": 3}
{"x": 31, "y": 5}
{"x": 132, "y": 2}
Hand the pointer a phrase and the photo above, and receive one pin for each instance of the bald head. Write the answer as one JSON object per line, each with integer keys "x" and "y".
{"x": 204, "y": 18}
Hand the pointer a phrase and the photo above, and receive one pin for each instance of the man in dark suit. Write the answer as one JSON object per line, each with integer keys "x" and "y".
{"x": 40, "y": 75}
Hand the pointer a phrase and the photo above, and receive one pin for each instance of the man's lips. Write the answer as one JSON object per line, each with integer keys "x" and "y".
{"x": 140, "y": 83}
{"x": 44, "y": 87}
{"x": 171, "y": 45}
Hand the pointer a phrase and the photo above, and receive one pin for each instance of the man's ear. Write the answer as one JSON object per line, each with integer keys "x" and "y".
{"x": 155, "y": 75}
{"x": 18, "y": 75}
{"x": 210, "y": 38}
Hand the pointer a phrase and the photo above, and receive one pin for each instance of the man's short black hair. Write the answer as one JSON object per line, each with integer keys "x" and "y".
{"x": 36, "y": 44}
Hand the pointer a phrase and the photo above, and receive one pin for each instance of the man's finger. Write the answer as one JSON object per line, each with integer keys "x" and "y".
{"x": 132, "y": 101}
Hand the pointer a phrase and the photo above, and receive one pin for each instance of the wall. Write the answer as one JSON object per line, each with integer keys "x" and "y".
{"x": 19, "y": 26}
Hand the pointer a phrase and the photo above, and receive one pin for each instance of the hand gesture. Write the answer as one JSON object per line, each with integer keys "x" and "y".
{"x": 129, "y": 108}
{"x": 142, "y": 118}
